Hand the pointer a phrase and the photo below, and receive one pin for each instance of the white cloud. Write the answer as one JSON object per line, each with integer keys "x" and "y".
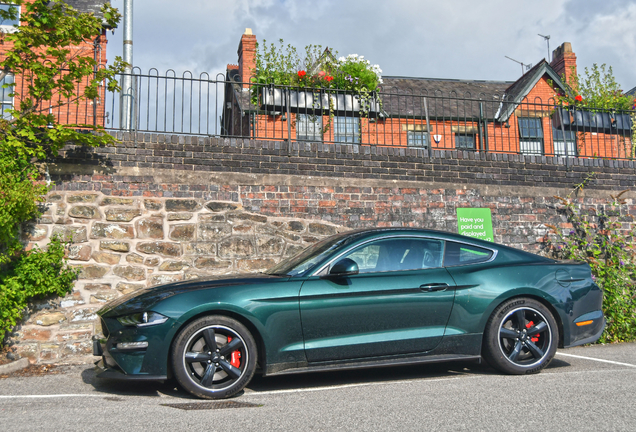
{"x": 451, "y": 39}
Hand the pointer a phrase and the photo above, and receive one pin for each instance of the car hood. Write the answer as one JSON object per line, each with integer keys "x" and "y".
{"x": 149, "y": 296}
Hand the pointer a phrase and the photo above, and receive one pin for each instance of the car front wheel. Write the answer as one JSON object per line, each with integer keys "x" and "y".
{"x": 521, "y": 337}
{"x": 214, "y": 357}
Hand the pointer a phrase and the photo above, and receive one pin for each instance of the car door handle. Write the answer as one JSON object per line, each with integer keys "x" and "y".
{"x": 434, "y": 287}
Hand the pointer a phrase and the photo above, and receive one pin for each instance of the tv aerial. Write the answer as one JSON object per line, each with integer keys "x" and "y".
{"x": 547, "y": 40}
{"x": 524, "y": 67}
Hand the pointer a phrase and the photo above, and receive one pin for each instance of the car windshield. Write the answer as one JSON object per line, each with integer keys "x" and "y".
{"x": 307, "y": 259}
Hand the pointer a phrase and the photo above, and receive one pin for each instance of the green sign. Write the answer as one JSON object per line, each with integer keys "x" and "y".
{"x": 475, "y": 222}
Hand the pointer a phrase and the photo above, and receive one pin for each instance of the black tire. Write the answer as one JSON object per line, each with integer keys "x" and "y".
{"x": 202, "y": 357}
{"x": 521, "y": 337}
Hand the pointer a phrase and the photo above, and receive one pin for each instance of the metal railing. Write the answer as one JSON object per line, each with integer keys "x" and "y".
{"x": 396, "y": 116}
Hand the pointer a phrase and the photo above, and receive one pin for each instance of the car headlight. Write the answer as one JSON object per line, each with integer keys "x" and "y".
{"x": 142, "y": 319}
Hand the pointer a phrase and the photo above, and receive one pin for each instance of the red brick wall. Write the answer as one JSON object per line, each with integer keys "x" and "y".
{"x": 69, "y": 113}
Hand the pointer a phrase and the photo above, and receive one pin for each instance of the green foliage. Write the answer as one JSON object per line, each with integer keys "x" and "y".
{"x": 46, "y": 56}
{"x": 19, "y": 197}
{"x": 596, "y": 89}
{"x": 603, "y": 240}
{"x": 283, "y": 65}
{"x": 35, "y": 274}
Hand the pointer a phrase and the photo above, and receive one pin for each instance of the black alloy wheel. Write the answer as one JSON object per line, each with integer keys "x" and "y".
{"x": 214, "y": 357}
{"x": 521, "y": 337}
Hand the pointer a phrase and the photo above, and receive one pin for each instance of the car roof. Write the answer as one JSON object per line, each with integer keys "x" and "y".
{"x": 369, "y": 233}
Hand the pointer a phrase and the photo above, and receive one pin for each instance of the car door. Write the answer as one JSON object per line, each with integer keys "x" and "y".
{"x": 398, "y": 303}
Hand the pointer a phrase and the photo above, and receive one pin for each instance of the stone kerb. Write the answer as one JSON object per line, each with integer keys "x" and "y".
{"x": 120, "y": 245}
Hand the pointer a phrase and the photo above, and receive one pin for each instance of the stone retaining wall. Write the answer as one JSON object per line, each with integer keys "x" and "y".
{"x": 121, "y": 244}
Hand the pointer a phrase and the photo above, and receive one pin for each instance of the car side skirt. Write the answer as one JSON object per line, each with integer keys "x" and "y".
{"x": 324, "y": 367}
{"x": 463, "y": 347}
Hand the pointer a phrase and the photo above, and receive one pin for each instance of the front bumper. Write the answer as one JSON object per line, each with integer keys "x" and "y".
{"x": 103, "y": 371}
{"x": 132, "y": 353}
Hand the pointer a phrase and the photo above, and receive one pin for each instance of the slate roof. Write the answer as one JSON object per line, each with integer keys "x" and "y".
{"x": 631, "y": 92}
{"x": 445, "y": 98}
{"x": 88, "y": 6}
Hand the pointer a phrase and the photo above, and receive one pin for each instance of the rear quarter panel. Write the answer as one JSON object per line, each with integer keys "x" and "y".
{"x": 481, "y": 288}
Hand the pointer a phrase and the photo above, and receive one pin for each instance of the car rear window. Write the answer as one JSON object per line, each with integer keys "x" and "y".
{"x": 461, "y": 254}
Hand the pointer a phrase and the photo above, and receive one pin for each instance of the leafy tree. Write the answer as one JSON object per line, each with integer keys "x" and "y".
{"x": 45, "y": 55}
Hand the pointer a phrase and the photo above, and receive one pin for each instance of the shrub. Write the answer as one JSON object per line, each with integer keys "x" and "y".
{"x": 605, "y": 240}
{"x": 34, "y": 274}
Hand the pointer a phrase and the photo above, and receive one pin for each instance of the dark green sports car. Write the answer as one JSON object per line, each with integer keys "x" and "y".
{"x": 364, "y": 298}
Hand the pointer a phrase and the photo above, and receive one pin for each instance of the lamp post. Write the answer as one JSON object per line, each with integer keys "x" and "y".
{"x": 127, "y": 90}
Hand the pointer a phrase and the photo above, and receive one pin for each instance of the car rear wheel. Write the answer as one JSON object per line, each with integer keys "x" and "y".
{"x": 214, "y": 357}
{"x": 521, "y": 337}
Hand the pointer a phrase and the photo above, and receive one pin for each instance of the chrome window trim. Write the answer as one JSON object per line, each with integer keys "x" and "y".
{"x": 323, "y": 270}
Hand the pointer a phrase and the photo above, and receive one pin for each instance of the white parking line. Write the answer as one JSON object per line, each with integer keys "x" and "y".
{"x": 50, "y": 396}
{"x": 315, "y": 389}
{"x": 596, "y": 359}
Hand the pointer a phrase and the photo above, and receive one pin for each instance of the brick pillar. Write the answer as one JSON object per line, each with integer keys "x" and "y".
{"x": 247, "y": 56}
{"x": 564, "y": 61}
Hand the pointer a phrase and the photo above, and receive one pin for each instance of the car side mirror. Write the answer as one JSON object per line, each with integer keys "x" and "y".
{"x": 344, "y": 267}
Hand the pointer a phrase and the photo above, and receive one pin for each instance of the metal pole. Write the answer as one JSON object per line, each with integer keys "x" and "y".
{"x": 126, "y": 111}
{"x": 565, "y": 143}
{"x": 428, "y": 130}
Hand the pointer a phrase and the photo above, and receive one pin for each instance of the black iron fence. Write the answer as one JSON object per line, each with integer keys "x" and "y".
{"x": 398, "y": 115}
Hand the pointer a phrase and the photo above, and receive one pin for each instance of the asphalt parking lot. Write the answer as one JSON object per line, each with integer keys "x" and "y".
{"x": 585, "y": 388}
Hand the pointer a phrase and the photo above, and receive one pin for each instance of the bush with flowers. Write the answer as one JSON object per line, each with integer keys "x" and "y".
{"x": 282, "y": 65}
{"x": 600, "y": 238}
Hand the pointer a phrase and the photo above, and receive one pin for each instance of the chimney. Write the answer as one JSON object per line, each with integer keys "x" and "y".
{"x": 564, "y": 61}
{"x": 247, "y": 56}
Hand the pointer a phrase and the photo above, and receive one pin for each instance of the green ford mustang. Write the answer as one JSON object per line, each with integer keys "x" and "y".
{"x": 363, "y": 298}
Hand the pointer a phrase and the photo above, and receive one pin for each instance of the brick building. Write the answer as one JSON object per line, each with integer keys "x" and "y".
{"x": 519, "y": 117}
{"x": 91, "y": 113}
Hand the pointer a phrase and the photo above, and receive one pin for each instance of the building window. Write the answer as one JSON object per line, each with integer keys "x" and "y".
{"x": 345, "y": 129}
{"x": 531, "y": 136}
{"x": 309, "y": 127}
{"x": 6, "y": 101}
{"x": 559, "y": 142}
{"x": 417, "y": 139}
{"x": 465, "y": 141}
{"x": 9, "y": 25}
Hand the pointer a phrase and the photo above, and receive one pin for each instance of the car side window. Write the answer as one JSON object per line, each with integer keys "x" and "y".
{"x": 461, "y": 254}
{"x": 398, "y": 254}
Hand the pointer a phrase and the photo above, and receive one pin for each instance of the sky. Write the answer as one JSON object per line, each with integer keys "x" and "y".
{"x": 459, "y": 39}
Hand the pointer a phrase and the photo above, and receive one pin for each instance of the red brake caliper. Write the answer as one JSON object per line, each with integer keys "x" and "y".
{"x": 536, "y": 337}
{"x": 235, "y": 360}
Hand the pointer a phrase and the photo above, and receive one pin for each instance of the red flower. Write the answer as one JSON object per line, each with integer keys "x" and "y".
{"x": 329, "y": 78}
{"x": 301, "y": 74}
{"x": 578, "y": 98}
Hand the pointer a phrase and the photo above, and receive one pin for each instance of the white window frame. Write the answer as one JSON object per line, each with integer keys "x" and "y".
{"x": 346, "y": 129}
{"x": 531, "y": 144}
{"x": 559, "y": 143}
{"x": 309, "y": 127}
{"x": 10, "y": 28}
{"x": 6, "y": 101}
{"x": 417, "y": 139}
